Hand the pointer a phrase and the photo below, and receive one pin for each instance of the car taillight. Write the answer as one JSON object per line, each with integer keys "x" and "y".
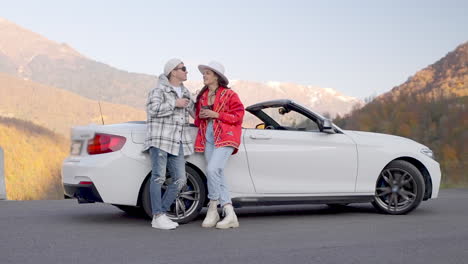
{"x": 105, "y": 143}
{"x": 85, "y": 182}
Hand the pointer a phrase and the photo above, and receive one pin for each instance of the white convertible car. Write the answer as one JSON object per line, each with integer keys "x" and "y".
{"x": 292, "y": 156}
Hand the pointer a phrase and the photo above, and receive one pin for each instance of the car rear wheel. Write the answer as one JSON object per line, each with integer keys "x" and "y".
{"x": 400, "y": 188}
{"x": 189, "y": 200}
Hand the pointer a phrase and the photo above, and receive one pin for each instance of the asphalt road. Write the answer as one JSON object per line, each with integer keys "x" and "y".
{"x": 65, "y": 232}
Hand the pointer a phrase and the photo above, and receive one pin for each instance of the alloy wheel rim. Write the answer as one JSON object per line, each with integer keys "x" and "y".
{"x": 396, "y": 190}
{"x": 187, "y": 200}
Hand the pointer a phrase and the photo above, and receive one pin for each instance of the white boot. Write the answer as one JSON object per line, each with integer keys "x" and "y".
{"x": 230, "y": 218}
{"x": 212, "y": 216}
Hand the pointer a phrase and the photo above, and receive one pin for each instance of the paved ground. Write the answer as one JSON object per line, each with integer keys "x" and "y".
{"x": 65, "y": 232}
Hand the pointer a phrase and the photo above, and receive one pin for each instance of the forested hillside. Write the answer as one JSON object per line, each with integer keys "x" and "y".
{"x": 431, "y": 108}
{"x": 33, "y": 157}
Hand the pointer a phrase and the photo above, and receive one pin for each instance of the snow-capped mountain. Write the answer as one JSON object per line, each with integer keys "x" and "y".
{"x": 326, "y": 101}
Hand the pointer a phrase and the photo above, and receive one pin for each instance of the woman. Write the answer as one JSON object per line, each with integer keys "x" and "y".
{"x": 218, "y": 116}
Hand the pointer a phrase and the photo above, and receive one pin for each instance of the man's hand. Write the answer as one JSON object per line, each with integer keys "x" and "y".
{"x": 182, "y": 102}
{"x": 206, "y": 113}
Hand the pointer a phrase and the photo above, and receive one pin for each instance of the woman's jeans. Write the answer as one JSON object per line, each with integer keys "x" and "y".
{"x": 176, "y": 166}
{"x": 216, "y": 159}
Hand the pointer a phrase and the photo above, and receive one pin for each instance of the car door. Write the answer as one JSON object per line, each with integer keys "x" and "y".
{"x": 296, "y": 158}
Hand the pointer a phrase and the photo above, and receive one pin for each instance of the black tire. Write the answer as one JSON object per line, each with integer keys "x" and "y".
{"x": 131, "y": 210}
{"x": 399, "y": 188}
{"x": 189, "y": 202}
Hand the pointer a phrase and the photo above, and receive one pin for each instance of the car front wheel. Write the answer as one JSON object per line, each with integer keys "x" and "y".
{"x": 400, "y": 188}
{"x": 189, "y": 200}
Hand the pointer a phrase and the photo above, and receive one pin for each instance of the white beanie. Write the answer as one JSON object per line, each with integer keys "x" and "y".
{"x": 170, "y": 65}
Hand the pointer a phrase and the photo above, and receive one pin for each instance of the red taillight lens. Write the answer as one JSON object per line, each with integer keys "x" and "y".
{"x": 104, "y": 143}
{"x": 86, "y": 182}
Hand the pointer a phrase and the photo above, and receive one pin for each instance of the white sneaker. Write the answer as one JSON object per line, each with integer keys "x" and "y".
{"x": 169, "y": 220}
{"x": 161, "y": 222}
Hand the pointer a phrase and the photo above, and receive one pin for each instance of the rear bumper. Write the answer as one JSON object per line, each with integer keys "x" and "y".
{"x": 85, "y": 193}
{"x": 117, "y": 178}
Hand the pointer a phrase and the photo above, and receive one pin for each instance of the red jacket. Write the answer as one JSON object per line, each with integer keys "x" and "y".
{"x": 227, "y": 127}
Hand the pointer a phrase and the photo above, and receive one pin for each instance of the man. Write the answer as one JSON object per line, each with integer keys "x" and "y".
{"x": 168, "y": 139}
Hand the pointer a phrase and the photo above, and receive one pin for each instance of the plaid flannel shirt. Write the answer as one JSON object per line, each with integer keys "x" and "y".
{"x": 168, "y": 125}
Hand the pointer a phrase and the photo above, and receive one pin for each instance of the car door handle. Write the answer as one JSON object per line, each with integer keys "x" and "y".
{"x": 260, "y": 137}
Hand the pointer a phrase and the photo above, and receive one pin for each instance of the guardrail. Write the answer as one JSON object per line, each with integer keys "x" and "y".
{"x": 2, "y": 176}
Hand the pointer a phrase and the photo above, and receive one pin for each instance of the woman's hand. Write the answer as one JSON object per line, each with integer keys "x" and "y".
{"x": 206, "y": 113}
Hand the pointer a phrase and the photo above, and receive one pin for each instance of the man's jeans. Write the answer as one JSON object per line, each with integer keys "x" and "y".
{"x": 216, "y": 159}
{"x": 176, "y": 166}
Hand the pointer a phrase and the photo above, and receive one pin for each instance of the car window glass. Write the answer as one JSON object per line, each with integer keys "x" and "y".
{"x": 291, "y": 120}
{"x": 250, "y": 121}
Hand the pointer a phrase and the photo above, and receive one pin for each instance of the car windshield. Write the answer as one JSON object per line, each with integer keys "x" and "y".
{"x": 290, "y": 119}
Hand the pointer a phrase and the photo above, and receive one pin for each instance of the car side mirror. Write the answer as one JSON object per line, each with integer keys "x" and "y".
{"x": 283, "y": 110}
{"x": 327, "y": 126}
{"x": 260, "y": 126}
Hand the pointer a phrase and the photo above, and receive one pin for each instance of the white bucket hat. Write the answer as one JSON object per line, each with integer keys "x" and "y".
{"x": 170, "y": 65}
{"x": 216, "y": 67}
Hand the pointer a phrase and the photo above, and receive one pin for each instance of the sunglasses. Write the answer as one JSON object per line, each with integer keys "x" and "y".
{"x": 184, "y": 69}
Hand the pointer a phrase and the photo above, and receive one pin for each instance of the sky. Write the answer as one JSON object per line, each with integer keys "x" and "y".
{"x": 360, "y": 48}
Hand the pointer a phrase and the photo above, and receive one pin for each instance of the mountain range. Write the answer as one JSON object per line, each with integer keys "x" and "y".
{"x": 57, "y": 109}
{"x": 30, "y": 56}
{"x": 445, "y": 78}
